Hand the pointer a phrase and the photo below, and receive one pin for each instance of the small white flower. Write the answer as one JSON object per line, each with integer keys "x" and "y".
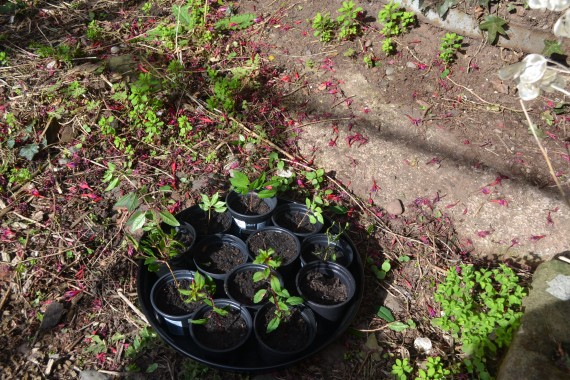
{"x": 562, "y": 26}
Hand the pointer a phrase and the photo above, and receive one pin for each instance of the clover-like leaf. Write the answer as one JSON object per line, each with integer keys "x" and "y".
{"x": 494, "y": 26}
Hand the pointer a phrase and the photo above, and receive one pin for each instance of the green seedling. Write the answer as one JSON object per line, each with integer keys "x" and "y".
{"x": 214, "y": 203}
{"x": 278, "y": 295}
{"x": 347, "y": 21}
{"x": 401, "y": 369}
{"x": 388, "y": 46}
{"x": 265, "y": 189}
{"x": 201, "y": 289}
{"x": 395, "y": 20}
{"x": 386, "y": 314}
{"x": 434, "y": 370}
{"x": 379, "y": 272}
{"x": 324, "y": 27}
{"x": 450, "y": 45}
{"x": 314, "y": 210}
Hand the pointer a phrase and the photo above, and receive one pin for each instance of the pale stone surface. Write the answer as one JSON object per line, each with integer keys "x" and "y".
{"x": 544, "y": 329}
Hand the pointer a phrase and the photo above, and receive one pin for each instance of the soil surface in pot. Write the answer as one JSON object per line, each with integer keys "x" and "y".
{"x": 185, "y": 238}
{"x": 221, "y": 258}
{"x": 221, "y": 332}
{"x": 249, "y": 205}
{"x": 318, "y": 252}
{"x": 219, "y": 222}
{"x": 168, "y": 300}
{"x": 295, "y": 221}
{"x": 282, "y": 243}
{"x": 243, "y": 288}
{"x": 323, "y": 289}
{"x": 291, "y": 335}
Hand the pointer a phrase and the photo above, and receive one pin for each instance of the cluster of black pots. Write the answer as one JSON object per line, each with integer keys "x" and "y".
{"x": 240, "y": 235}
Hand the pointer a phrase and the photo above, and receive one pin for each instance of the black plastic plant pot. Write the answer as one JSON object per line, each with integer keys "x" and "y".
{"x": 217, "y": 255}
{"x": 250, "y": 212}
{"x": 240, "y": 287}
{"x": 217, "y": 223}
{"x": 295, "y": 218}
{"x": 285, "y": 244}
{"x": 172, "y": 313}
{"x": 326, "y": 287}
{"x": 220, "y": 335}
{"x": 292, "y": 338}
{"x": 319, "y": 247}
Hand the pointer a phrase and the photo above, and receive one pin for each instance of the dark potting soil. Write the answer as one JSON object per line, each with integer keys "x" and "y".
{"x": 219, "y": 222}
{"x": 295, "y": 221}
{"x": 221, "y": 332}
{"x": 249, "y": 205}
{"x": 322, "y": 289}
{"x": 221, "y": 258}
{"x": 184, "y": 238}
{"x": 243, "y": 288}
{"x": 283, "y": 245}
{"x": 169, "y": 301}
{"x": 315, "y": 252}
{"x": 291, "y": 335}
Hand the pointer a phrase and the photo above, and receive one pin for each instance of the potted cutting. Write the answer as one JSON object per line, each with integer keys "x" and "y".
{"x": 241, "y": 287}
{"x": 177, "y": 296}
{"x": 209, "y": 217}
{"x": 302, "y": 220}
{"x": 219, "y": 254}
{"x": 283, "y": 326}
{"x": 251, "y": 203}
{"x": 330, "y": 246}
{"x": 327, "y": 288}
{"x": 284, "y": 243}
{"x": 220, "y": 327}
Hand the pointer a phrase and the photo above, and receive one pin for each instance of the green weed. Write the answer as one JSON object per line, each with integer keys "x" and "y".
{"x": 395, "y": 20}
{"x": 324, "y": 27}
{"x": 347, "y": 21}
{"x": 401, "y": 368}
{"x": 450, "y": 45}
{"x": 481, "y": 309}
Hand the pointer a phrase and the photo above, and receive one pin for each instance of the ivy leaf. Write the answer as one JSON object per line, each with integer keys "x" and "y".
{"x": 494, "y": 26}
{"x": 29, "y": 151}
{"x": 444, "y": 8}
{"x": 552, "y": 47}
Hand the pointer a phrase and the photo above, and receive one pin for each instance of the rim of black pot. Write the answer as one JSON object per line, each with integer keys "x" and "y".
{"x": 308, "y": 315}
{"x": 250, "y": 219}
{"x": 222, "y": 302}
{"x": 190, "y": 215}
{"x": 192, "y": 231}
{"x": 343, "y": 244}
{"x": 218, "y": 239}
{"x": 279, "y": 230}
{"x": 335, "y": 268}
{"x": 181, "y": 274}
{"x": 302, "y": 209}
{"x": 245, "y": 267}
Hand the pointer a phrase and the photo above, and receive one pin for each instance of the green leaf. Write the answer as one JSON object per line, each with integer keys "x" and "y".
{"x": 151, "y": 368}
{"x": 128, "y": 201}
{"x": 494, "y": 26}
{"x": 236, "y": 22}
{"x": 294, "y": 301}
{"x": 386, "y": 266}
{"x": 397, "y": 326}
{"x": 137, "y": 220}
{"x": 552, "y": 47}
{"x": 239, "y": 180}
{"x": 29, "y": 151}
{"x": 168, "y": 218}
{"x": 113, "y": 184}
{"x": 258, "y": 297}
{"x": 385, "y": 314}
{"x": 273, "y": 324}
{"x": 339, "y": 210}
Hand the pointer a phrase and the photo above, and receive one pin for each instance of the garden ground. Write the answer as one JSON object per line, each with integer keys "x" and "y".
{"x": 454, "y": 151}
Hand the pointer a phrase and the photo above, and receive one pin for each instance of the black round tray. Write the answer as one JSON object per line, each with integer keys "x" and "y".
{"x": 246, "y": 359}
